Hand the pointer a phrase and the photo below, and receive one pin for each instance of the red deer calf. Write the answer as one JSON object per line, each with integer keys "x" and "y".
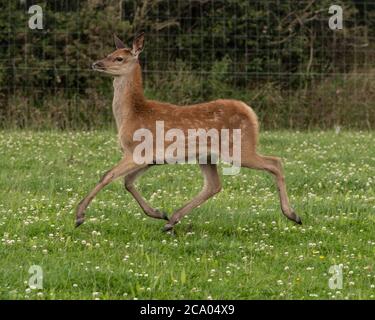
{"x": 133, "y": 112}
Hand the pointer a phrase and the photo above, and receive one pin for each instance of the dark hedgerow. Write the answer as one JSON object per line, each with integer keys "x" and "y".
{"x": 277, "y": 56}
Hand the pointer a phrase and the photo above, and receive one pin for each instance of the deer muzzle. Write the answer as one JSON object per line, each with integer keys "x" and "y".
{"x": 98, "y": 65}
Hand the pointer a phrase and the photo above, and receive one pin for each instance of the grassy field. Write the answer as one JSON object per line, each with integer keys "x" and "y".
{"x": 235, "y": 246}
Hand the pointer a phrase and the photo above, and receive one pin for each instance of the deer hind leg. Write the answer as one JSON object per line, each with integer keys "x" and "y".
{"x": 124, "y": 167}
{"x": 273, "y": 165}
{"x": 129, "y": 186}
{"x": 211, "y": 186}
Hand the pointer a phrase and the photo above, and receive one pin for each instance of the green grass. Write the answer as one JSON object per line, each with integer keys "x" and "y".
{"x": 235, "y": 246}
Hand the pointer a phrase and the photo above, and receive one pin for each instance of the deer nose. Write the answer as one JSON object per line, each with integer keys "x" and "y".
{"x": 98, "y": 65}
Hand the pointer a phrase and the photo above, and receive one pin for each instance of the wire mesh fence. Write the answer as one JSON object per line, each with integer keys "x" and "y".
{"x": 281, "y": 57}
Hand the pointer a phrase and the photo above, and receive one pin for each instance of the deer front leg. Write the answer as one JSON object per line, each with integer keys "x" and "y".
{"x": 125, "y": 166}
{"x": 211, "y": 186}
{"x": 129, "y": 186}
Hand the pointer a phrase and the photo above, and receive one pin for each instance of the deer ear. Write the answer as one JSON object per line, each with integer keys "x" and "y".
{"x": 119, "y": 44}
{"x": 138, "y": 43}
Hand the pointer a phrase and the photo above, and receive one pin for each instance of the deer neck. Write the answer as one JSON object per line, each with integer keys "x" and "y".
{"x": 128, "y": 95}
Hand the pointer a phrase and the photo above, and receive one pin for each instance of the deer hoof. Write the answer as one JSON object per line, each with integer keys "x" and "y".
{"x": 167, "y": 227}
{"x": 298, "y": 220}
{"x": 165, "y": 216}
{"x": 162, "y": 215}
{"x": 79, "y": 221}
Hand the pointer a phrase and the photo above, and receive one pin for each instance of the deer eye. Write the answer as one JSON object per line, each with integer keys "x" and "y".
{"x": 119, "y": 59}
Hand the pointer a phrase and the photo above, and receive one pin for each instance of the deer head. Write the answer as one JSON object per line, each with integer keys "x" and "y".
{"x": 123, "y": 60}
